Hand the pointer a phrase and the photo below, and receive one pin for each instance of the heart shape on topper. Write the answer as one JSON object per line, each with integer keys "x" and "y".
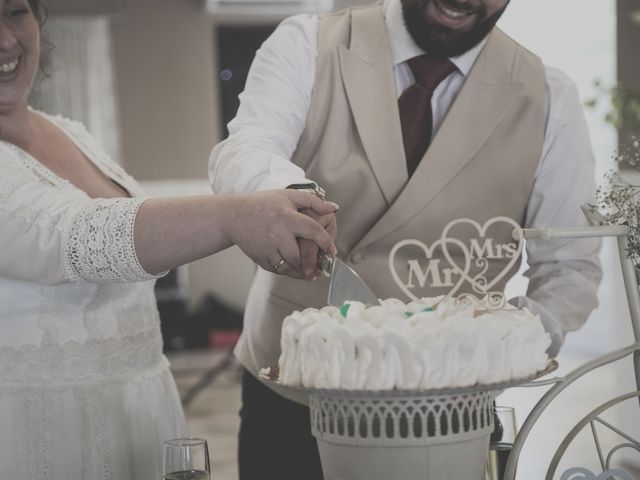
{"x": 428, "y": 252}
{"x": 479, "y": 283}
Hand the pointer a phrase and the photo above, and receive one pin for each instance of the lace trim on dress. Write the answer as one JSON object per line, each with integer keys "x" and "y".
{"x": 33, "y": 447}
{"x": 10, "y": 182}
{"x": 100, "y": 246}
{"x": 39, "y": 170}
{"x": 95, "y": 452}
{"x": 60, "y": 366}
{"x": 87, "y": 144}
{"x": 13, "y": 179}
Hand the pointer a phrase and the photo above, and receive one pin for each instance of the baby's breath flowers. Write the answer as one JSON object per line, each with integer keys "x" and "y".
{"x": 617, "y": 201}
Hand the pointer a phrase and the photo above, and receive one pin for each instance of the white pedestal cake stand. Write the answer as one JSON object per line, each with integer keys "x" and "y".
{"x": 404, "y": 434}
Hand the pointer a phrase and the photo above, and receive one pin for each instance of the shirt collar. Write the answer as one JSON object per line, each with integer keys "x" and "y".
{"x": 403, "y": 47}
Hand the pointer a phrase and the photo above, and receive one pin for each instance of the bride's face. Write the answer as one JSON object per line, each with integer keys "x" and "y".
{"x": 19, "y": 53}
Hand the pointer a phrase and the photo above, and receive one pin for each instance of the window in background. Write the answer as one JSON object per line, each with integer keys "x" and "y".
{"x": 237, "y": 45}
{"x": 81, "y": 83}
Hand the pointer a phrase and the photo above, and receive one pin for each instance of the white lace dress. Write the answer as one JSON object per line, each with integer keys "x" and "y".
{"x": 85, "y": 391}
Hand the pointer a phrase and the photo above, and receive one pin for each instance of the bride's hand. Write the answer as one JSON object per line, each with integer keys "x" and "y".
{"x": 267, "y": 225}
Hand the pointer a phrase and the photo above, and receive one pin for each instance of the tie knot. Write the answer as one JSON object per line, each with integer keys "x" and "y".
{"x": 429, "y": 71}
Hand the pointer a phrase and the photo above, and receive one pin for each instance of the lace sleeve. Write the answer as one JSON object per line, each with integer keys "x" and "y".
{"x": 100, "y": 245}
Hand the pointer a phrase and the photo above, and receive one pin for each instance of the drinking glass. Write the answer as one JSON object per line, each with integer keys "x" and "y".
{"x": 501, "y": 442}
{"x": 186, "y": 459}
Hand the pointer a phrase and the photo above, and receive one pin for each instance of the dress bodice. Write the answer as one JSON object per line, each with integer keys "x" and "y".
{"x": 85, "y": 391}
{"x": 68, "y": 316}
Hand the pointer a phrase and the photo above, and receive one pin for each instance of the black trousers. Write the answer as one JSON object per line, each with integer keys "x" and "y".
{"x": 275, "y": 441}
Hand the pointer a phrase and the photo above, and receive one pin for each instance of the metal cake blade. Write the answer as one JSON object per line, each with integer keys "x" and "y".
{"x": 346, "y": 285}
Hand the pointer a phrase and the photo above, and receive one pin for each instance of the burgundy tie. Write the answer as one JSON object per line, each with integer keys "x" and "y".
{"x": 416, "y": 117}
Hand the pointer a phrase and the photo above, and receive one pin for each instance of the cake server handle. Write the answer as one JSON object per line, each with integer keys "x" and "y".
{"x": 325, "y": 262}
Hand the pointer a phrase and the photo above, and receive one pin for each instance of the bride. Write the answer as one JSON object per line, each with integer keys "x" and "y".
{"x": 85, "y": 392}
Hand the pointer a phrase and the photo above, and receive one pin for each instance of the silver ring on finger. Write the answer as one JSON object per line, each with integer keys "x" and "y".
{"x": 278, "y": 265}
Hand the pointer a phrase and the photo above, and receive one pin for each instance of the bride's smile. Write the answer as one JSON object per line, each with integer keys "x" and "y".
{"x": 19, "y": 53}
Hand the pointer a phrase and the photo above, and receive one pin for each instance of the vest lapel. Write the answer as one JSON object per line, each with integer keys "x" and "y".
{"x": 367, "y": 73}
{"x": 484, "y": 98}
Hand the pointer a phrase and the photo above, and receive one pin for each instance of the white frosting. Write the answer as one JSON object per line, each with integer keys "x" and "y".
{"x": 397, "y": 345}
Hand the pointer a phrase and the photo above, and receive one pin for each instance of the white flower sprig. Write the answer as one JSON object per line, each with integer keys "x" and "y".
{"x": 618, "y": 201}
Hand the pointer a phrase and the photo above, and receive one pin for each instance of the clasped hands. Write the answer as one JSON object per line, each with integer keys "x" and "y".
{"x": 283, "y": 231}
{"x": 309, "y": 250}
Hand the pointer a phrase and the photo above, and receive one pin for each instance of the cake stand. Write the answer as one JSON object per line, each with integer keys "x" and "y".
{"x": 403, "y": 434}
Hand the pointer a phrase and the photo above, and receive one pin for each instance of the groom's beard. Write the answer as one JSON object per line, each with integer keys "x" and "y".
{"x": 442, "y": 40}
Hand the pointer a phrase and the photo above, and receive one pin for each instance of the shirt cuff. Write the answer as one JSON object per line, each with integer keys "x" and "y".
{"x": 280, "y": 182}
{"x": 549, "y": 322}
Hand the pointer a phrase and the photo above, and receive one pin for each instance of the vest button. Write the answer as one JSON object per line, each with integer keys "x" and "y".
{"x": 357, "y": 257}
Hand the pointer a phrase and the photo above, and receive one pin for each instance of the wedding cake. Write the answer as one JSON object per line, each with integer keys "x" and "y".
{"x": 430, "y": 344}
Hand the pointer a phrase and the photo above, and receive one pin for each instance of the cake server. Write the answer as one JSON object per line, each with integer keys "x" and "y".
{"x": 345, "y": 284}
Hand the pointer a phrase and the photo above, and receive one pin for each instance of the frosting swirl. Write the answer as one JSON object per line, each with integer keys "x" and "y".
{"x": 420, "y": 345}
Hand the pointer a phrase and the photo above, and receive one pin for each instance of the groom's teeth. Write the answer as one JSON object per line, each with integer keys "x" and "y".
{"x": 452, "y": 13}
{"x": 8, "y": 67}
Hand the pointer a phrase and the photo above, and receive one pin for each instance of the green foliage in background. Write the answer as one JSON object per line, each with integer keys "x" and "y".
{"x": 625, "y": 105}
{"x": 623, "y": 102}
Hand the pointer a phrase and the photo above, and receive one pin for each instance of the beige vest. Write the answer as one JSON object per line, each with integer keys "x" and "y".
{"x": 481, "y": 163}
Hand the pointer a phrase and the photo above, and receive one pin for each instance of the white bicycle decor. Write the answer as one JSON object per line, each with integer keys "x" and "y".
{"x": 471, "y": 266}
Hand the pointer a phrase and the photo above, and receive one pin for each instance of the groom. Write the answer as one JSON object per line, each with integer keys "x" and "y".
{"x": 404, "y": 142}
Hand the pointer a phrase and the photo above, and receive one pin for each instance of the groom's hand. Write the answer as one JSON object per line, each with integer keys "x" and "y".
{"x": 308, "y": 249}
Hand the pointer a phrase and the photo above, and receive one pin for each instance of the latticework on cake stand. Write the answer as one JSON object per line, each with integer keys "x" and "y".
{"x": 382, "y": 436}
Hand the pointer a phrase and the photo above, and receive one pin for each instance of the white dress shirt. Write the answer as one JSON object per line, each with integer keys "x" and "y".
{"x": 271, "y": 117}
